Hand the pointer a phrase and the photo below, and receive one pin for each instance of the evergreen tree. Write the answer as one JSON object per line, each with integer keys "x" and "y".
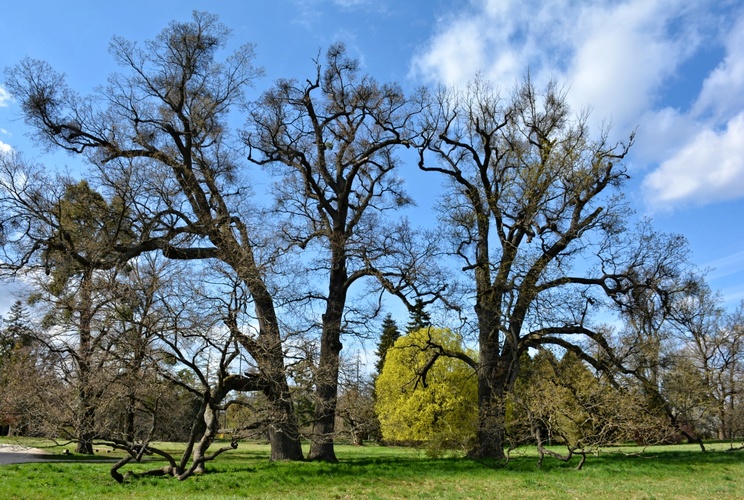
{"x": 17, "y": 332}
{"x": 418, "y": 317}
{"x": 390, "y": 334}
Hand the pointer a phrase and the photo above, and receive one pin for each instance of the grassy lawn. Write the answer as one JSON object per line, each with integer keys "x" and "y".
{"x": 680, "y": 471}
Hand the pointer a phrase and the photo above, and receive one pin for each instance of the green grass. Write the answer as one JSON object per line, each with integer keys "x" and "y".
{"x": 386, "y": 472}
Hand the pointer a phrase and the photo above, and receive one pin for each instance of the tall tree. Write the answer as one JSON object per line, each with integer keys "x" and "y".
{"x": 162, "y": 126}
{"x": 538, "y": 233}
{"x": 16, "y": 337}
{"x": 334, "y": 135}
{"x": 17, "y": 330}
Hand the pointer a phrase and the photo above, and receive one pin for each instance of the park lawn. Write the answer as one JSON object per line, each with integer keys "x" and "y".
{"x": 389, "y": 472}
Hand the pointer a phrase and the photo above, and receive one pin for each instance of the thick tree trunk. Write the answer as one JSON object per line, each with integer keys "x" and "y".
{"x": 85, "y": 432}
{"x": 326, "y": 377}
{"x": 284, "y": 435}
{"x": 495, "y": 373}
{"x": 266, "y": 349}
{"x": 326, "y": 392}
{"x": 491, "y": 417}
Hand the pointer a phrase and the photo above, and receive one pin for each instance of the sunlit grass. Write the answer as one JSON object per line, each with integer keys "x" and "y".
{"x": 387, "y": 472}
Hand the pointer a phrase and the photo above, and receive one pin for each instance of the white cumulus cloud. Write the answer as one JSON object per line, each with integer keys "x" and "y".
{"x": 613, "y": 55}
{"x": 618, "y": 59}
{"x": 708, "y": 168}
{"x": 708, "y": 164}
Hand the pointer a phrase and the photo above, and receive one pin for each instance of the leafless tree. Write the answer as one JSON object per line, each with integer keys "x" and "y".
{"x": 163, "y": 123}
{"x": 712, "y": 342}
{"x": 542, "y": 238}
{"x": 333, "y": 138}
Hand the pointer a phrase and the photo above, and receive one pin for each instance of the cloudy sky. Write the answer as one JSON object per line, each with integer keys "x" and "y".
{"x": 671, "y": 70}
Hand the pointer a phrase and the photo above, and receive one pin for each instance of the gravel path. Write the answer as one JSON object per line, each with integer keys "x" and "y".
{"x": 15, "y": 454}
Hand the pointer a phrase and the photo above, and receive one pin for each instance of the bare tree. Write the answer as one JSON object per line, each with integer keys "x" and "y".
{"x": 165, "y": 119}
{"x": 713, "y": 343}
{"x": 334, "y": 137}
{"x": 70, "y": 232}
{"x": 538, "y": 232}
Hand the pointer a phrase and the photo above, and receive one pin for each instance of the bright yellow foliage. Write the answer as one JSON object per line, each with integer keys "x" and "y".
{"x": 443, "y": 412}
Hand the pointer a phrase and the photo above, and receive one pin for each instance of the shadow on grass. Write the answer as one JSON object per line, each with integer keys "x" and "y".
{"x": 419, "y": 466}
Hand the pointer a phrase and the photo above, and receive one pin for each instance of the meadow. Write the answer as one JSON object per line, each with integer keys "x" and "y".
{"x": 379, "y": 472}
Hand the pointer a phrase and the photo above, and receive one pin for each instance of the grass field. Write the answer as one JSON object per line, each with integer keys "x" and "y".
{"x": 680, "y": 471}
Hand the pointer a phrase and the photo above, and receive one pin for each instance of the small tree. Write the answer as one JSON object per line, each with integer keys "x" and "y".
{"x": 419, "y": 318}
{"x": 424, "y": 403}
{"x": 563, "y": 402}
{"x": 356, "y": 404}
{"x": 21, "y": 357}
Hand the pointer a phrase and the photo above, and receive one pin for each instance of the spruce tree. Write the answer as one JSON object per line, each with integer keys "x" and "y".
{"x": 17, "y": 329}
{"x": 390, "y": 334}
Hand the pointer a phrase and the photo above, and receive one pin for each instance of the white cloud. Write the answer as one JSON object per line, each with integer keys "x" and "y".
{"x": 623, "y": 54}
{"x": 4, "y": 97}
{"x": 709, "y": 168}
{"x": 708, "y": 164}
{"x": 5, "y": 148}
{"x": 612, "y": 55}
{"x": 618, "y": 59}
{"x": 723, "y": 89}
{"x": 350, "y": 3}
{"x": 501, "y": 39}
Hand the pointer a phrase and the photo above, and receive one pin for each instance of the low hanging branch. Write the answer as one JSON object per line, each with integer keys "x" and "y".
{"x": 137, "y": 451}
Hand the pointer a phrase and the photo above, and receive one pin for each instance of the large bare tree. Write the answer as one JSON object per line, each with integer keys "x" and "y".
{"x": 334, "y": 136}
{"x": 164, "y": 123}
{"x": 533, "y": 219}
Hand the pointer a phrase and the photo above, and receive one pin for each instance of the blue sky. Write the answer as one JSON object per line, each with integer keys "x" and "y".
{"x": 672, "y": 70}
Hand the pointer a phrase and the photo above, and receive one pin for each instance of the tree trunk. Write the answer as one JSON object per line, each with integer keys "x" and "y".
{"x": 284, "y": 434}
{"x": 326, "y": 392}
{"x": 85, "y": 432}
{"x": 86, "y": 407}
{"x": 210, "y": 430}
{"x": 326, "y": 377}
{"x": 489, "y": 439}
{"x": 494, "y": 376}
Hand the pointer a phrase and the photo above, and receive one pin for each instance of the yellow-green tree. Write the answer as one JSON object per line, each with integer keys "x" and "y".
{"x": 422, "y": 401}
